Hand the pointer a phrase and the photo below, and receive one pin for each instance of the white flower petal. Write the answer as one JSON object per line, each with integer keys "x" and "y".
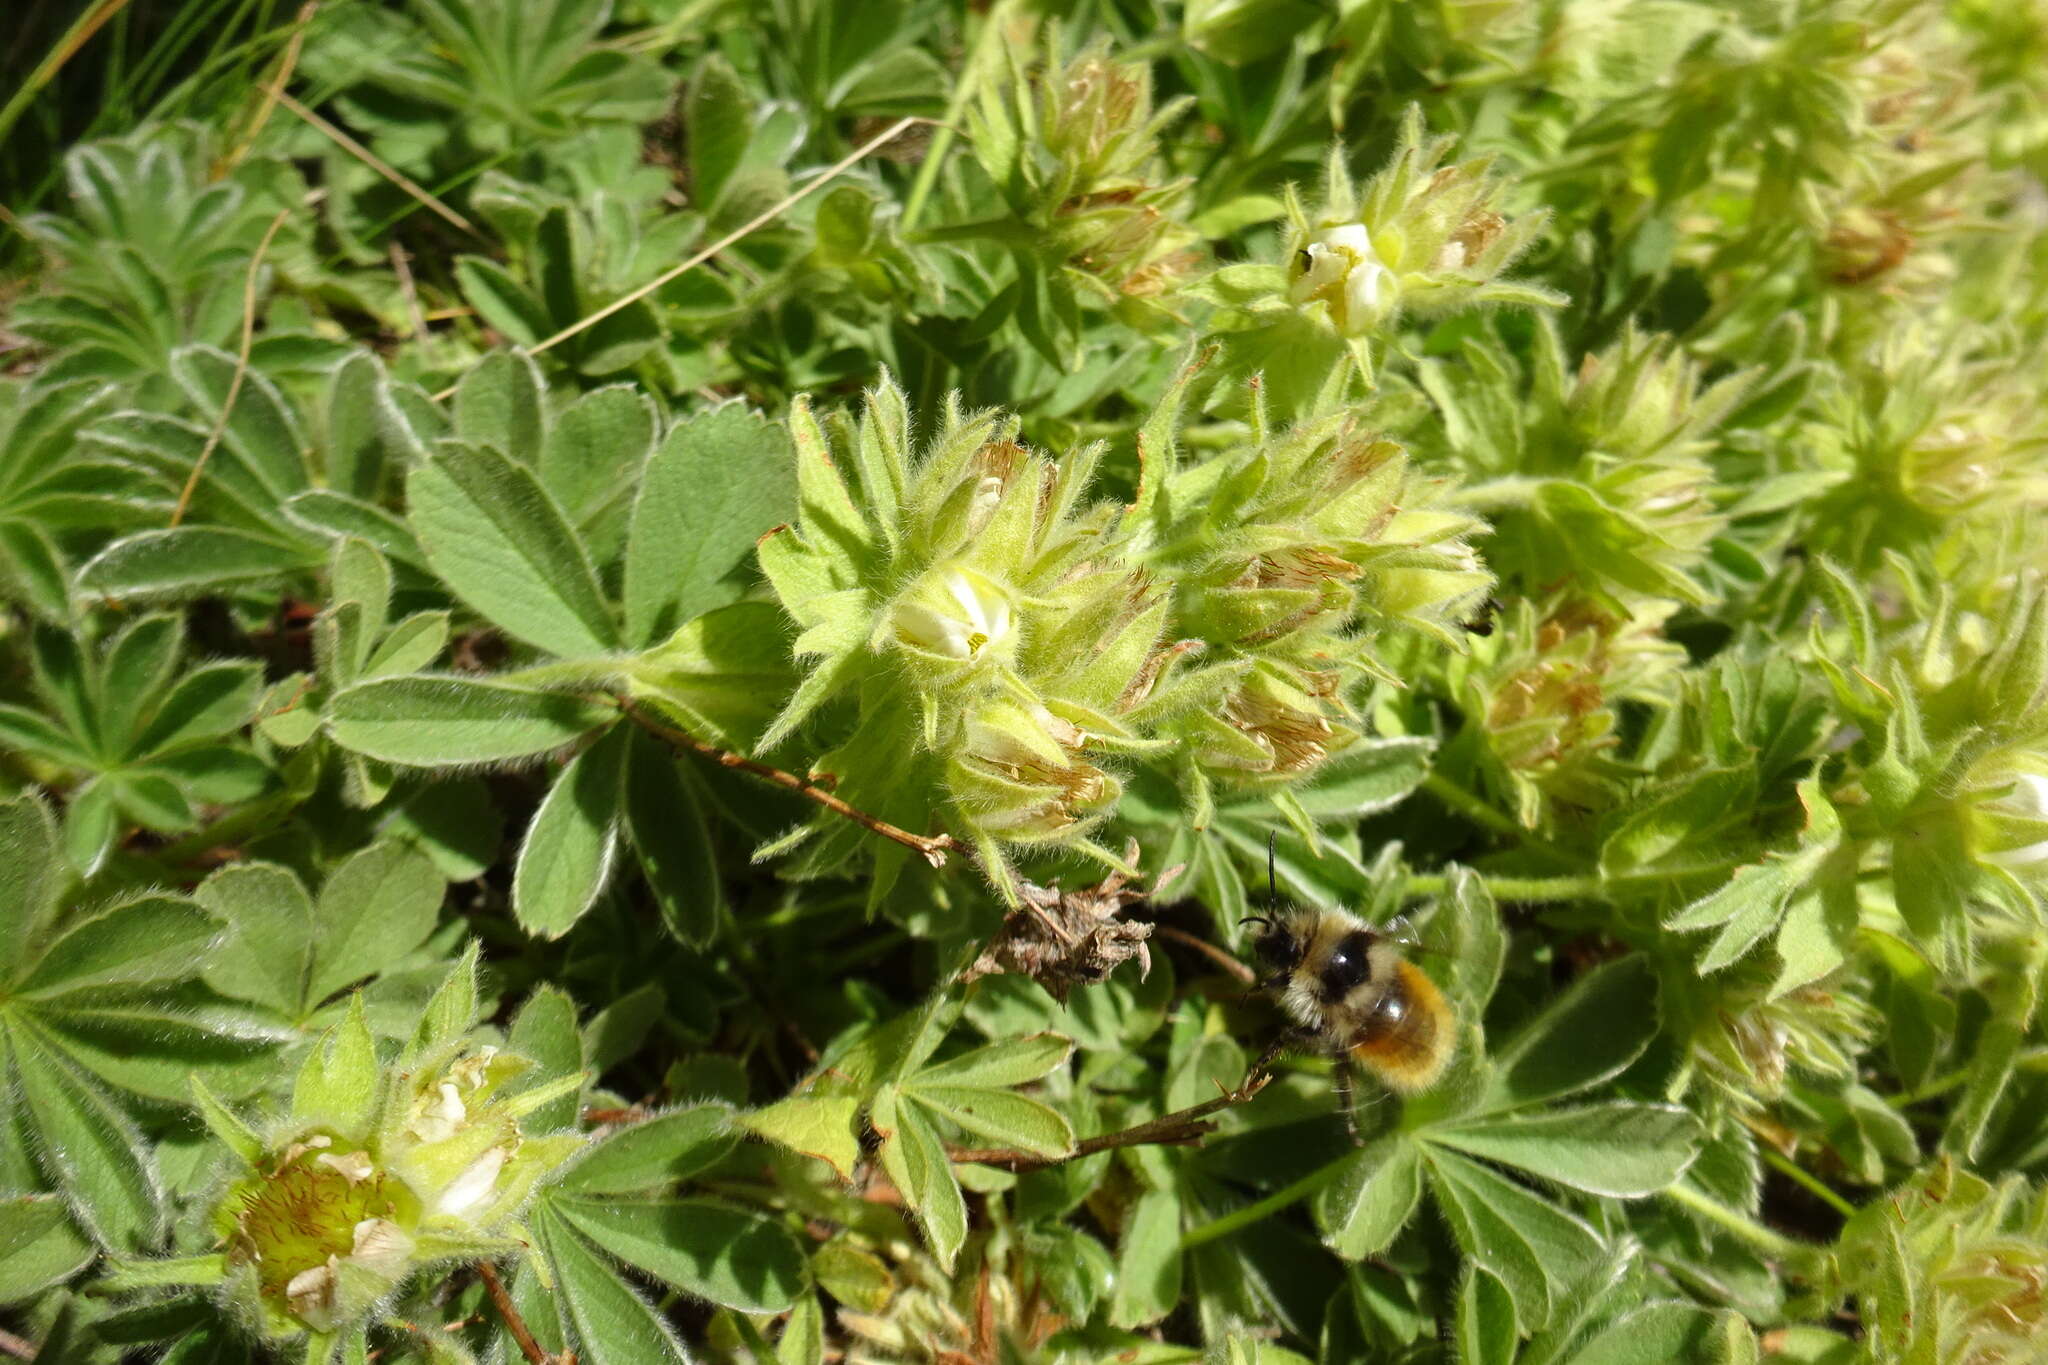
{"x": 475, "y": 1184}
{"x": 311, "y": 1295}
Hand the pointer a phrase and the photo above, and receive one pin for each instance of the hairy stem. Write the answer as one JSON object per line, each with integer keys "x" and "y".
{"x": 1748, "y": 1229}
{"x": 1588, "y": 886}
{"x": 1798, "y": 1175}
{"x": 516, "y": 1324}
{"x": 934, "y": 847}
{"x": 1181, "y": 1126}
{"x": 1260, "y": 1209}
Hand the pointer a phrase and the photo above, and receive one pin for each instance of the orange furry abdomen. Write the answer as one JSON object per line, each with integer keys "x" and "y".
{"x": 1408, "y": 1053}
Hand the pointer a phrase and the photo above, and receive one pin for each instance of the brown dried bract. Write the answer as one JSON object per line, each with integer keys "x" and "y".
{"x": 1062, "y": 939}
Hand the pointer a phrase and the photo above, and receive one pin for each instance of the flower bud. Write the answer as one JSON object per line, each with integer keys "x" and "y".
{"x": 377, "y": 1171}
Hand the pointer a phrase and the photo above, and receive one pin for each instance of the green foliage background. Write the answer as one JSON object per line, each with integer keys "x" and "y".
{"x": 606, "y": 632}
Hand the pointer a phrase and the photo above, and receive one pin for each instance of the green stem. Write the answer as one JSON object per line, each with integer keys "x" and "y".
{"x": 1747, "y": 1228}
{"x": 1471, "y": 807}
{"x": 1264, "y": 1208}
{"x": 942, "y": 137}
{"x": 1588, "y": 886}
{"x": 1792, "y": 1171}
{"x": 1500, "y": 495}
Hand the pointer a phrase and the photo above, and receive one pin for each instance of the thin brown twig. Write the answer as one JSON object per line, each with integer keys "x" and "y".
{"x": 516, "y": 1324}
{"x": 18, "y": 1347}
{"x": 369, "y": 158}
{"x": 1208, "y": 950}
{"x": 227, "y": 407}
{"x": 934, "y": 847}
{"x": 1181, "y": 1126}
{"x": 274, "y": 87}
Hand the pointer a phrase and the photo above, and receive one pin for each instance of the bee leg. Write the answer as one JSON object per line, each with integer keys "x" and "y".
{"x": 1347, "y": 1099}
{"x": 1287, "y": 1038}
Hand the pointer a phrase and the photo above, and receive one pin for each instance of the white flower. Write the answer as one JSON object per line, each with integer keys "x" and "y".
{"x": 381, "y": 1245}
{"x": 2029, "y": 800}
{"x": 1340, "y": 266}
{"x": 972, "y": 618}
{"x": 357, "y": 1166}
{"x": 474, "y": 1185}
{"x": 439, "y": 1116}
{"x": 311, "y": 1295}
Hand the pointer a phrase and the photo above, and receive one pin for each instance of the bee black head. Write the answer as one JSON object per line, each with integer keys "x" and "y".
{"x": 1276, "y": 947}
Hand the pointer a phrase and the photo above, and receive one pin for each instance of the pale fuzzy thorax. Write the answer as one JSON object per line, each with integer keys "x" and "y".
{"x": 1301, "y": 994}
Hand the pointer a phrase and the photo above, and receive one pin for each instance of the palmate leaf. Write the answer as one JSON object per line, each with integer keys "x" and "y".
{"x": 88, "y": 1149}
{"x": 1615, "y": 1148}
{"x": 606, "y": 1321}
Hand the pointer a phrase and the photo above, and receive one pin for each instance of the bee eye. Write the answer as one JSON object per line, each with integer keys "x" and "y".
{"x": 1303, "y": 261}
{"x": 1349, "y": 964}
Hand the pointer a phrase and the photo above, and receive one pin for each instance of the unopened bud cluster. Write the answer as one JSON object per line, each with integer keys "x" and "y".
{"x": 992, "y": 652}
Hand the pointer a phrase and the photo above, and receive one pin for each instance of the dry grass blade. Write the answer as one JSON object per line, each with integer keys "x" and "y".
{"x": 369, "y": 158}
{"x": 839, "y": 168}
{"x": 227, "y": 407}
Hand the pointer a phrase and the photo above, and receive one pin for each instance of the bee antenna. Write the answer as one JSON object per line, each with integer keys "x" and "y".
{"x": 1272, "y": 882}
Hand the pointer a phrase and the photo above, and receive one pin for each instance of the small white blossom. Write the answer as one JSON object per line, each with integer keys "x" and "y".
{"x": 475, "y": 1184}
{"x": 973, "y": 618}
{"x": 440, "y": 1116}
{"x": 1340, "y": 266}
{"x": 2029, "y": 800}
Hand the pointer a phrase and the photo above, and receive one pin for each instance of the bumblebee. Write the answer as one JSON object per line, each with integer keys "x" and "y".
{"x": 1352, "y": 993}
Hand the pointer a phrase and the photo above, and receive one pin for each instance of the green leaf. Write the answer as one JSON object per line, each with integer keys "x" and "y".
{"x": 669, "y": 835}
{"x": 1371, "y": 1199}
{"x": 452, "y": 1010}
{"x": 597, "y": 444}
{"x": 566, "y": 857}
{"x": 1536, "y": 1248}
{"x": 998, "y": 1116}
{"x": 32, "y": 875}
{"x": 435, "y": 721}
{"x": 816, "y": 1125}
{"x": 1148, "y": 1274}
{"x": 736, "y": 1258}
{"x": 1374, "y": 775}
{"x": 190, "y": 561}
{"x": 915, "y": 1159}
{"x": 655, "y": 1152}
{"x": 358, "y": 392}
{"x": 1655, "y": 1331}
{"x": 1576, "y": 1042}
{"x": 261, "y": 428}
{"x": 545, "y": 1031}
{"x": 508, "y": 306}
{"x": 268, "y": 949}
{"x": 607, "y": 1323}
{"x": 1620, "y": 1149}
{"x": 337, "y": 1084}
{"x": 1007, "y": 1062}
{"x": 722, "y": 674}
{"x": 88, "y": 1148}
{"x": 718, "y": 482}
{"x": 153, "y": 938}
{"x": 1485, "y": 1328}
{"x": 225, "y": 1125}
{"x": 720, "y": 114}
{"x": 495, "y": 535}
{"x": 39, "y": 1246}
{"x": 502, "y": 403}
{"x": 377, "y": 906}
